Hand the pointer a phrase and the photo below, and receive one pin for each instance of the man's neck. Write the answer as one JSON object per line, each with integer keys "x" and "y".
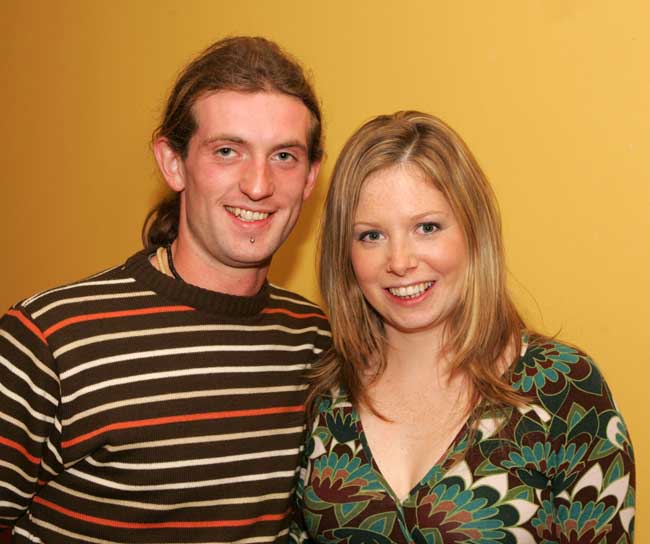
{"x": 215, "y": 276}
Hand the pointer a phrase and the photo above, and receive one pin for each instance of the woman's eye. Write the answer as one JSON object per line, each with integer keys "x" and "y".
{"x": 429, "y": 228}
{"x": 370, "y": 236}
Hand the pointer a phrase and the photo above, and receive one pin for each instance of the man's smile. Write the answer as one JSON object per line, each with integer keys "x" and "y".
{"x": 248, "y": 216}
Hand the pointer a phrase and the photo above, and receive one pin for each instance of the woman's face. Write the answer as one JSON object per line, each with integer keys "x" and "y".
{"x": 408, "y": 251}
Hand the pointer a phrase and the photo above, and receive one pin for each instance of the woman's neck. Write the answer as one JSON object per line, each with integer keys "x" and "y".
{"x": 419, "y": 354}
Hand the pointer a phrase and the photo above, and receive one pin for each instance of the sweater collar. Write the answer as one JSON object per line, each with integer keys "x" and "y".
{"x": 212, "y": 302}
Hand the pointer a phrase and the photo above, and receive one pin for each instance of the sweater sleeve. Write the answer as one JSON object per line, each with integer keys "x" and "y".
{"x": 29, "y": 427}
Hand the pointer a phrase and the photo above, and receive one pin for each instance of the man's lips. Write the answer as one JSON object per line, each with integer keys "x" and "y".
{"x": 248, "y": 216}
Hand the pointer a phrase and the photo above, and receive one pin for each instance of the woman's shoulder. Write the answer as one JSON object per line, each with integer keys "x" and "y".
{"x": 561, "y": 377}
{"x": 545, "y": 361}
{"x": 336, "y": 401}
{"x": 334, "y": 418}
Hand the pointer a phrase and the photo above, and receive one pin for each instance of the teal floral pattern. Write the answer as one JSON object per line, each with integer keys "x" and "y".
{"x": 559, "y": 470}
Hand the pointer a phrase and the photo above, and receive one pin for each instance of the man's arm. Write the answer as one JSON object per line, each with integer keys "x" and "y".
{"x": 29, "y": 400}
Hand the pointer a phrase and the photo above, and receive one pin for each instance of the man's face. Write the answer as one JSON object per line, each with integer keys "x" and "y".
{"x": 245, "y": 177}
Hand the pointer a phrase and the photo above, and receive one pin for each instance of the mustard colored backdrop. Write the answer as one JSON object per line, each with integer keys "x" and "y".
{"x": 553, "y": 96}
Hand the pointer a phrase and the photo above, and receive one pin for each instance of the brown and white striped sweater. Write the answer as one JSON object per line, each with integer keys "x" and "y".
{"x": 136, "y": 408}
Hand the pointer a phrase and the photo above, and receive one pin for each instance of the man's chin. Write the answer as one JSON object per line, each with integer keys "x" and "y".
{"x": 251, "y": 262}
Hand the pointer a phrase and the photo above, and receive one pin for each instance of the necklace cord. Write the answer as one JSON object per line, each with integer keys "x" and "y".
{"x": 170, "y": 261}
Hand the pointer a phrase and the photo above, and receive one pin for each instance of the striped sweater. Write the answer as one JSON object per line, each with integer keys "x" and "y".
{"x": 136, "y": 408}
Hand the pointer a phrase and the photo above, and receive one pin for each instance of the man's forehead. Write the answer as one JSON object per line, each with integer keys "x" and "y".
{"x": 234, "y": 104}
{"x": 251, "y": 115}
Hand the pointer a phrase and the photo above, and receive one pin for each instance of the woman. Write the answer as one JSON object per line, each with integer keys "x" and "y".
{"x": 436, "y": 417}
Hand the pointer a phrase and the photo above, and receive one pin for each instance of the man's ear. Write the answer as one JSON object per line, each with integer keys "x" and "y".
{"x": 170, "y": 164}
{"x": 311, "y": 179}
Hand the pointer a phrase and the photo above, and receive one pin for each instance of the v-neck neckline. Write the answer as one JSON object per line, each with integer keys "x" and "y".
{"x": 438, "y": 466}
{"x": 442, "y": 464}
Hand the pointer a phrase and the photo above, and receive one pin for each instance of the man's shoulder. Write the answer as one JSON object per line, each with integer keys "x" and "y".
{"x": 100, "y": 284}
{"x": 297, "y": 310}
{"x": 280, "y": 297}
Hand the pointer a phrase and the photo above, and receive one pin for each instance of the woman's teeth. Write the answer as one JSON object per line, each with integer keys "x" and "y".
{"x": 410, "y": 291}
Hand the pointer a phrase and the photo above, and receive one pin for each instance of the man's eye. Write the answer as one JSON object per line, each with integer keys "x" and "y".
{"x": 429, "y": 228}
{"x": 225, "y": 152}
{"x": 284, "y": 156}
{"x": 370, "y": 236}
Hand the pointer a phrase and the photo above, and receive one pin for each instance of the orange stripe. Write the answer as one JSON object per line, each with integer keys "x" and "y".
{"x": 16, "y": 446}
{"x": 160, "y": 525}
{"x": 31, "y": 326}
{"x": 111, "y": 315}
{"x": 292, "y": 314}
{"x": 181, "y": 419}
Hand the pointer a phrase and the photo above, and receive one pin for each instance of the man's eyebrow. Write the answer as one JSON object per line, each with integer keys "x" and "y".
{"x": 223, "y": 138}
{"x": 239, "y": 140}
{"x": 291, "y": 143}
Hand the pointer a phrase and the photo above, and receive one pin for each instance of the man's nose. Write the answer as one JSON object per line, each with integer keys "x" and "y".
{"x": 257, "y": 181}
{"x": 402, "y": 257}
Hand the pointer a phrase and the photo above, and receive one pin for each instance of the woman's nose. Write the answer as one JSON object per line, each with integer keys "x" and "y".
{"x": 402, "y": 258}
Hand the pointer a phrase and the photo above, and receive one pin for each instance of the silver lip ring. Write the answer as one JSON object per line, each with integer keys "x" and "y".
{"x": 252, "y": 240}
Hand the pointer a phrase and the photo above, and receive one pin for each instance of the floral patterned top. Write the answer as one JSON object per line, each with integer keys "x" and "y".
{"x": 560, "y": 470}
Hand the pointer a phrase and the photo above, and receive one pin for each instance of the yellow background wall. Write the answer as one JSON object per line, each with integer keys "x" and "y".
{"x": 553, "y": 96}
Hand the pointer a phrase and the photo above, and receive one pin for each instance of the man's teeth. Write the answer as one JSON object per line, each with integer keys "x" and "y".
{"x": 411, "y": 291}
{"x": 247, "y": 215}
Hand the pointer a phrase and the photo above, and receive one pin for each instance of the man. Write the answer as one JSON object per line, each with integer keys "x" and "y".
{"x": 162, "y": 400}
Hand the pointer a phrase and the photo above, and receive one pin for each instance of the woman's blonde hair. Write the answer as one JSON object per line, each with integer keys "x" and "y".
{"x": 484, "y": 323}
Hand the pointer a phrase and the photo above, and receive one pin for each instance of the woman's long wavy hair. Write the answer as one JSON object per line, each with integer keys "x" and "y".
{"x": 482, "y": 327}
{"x": 245, "y": 64}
